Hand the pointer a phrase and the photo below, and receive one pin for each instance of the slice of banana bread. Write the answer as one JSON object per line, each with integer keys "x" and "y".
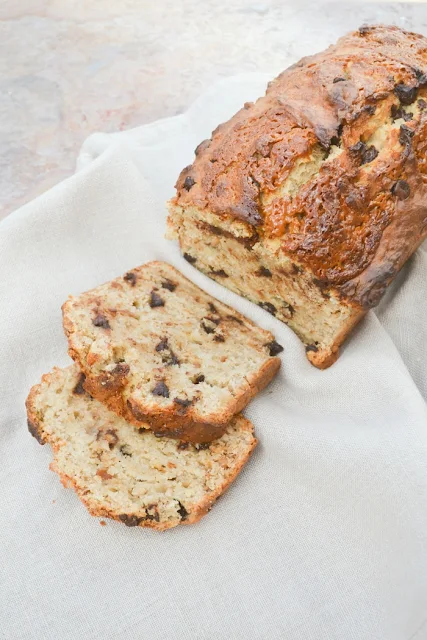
{"x": 311, "y": 199}
{"x": 155, "y": 348}
{"x": 125, "y": 474}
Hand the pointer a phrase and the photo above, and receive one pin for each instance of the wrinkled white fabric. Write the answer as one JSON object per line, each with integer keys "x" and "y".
{"x": 322, "y": 537}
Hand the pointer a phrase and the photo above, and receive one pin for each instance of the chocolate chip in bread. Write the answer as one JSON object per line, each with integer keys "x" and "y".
{"x": 312, "y": 198}
{"x": 129, "y": 475}
{"x": 157, "y": 349}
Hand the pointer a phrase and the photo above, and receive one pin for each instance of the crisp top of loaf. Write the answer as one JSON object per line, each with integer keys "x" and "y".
{"x": 156, "y": 348}
{"x": 126, "y": 474}
{"x": 329, "y": 166}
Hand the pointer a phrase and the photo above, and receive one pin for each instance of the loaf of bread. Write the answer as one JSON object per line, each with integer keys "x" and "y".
{"x": 157, "y": 349}
{"x": 124, "y": 473}
{"x": 310, "y": 200}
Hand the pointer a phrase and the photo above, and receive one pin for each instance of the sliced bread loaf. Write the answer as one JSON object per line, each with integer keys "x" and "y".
{"x": 125, "y": 474}
{"x": 157, "y": 349}
{"x": 311, "y": 199}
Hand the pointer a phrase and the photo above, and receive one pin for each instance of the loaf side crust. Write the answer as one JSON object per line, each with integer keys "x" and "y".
{"x": 182, "y": 428}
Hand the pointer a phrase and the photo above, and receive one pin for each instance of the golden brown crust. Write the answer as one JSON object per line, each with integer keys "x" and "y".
{"x": 35, "y": 425}
{"x": 359, "y": 219}
{"x": 168, "y": 423}
{"x": 180, "y": 421}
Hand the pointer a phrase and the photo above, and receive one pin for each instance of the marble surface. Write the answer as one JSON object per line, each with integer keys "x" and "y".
{"x": 68, "y": 69}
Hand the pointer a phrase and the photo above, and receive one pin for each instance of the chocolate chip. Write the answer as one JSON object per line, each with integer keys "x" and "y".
{"x": 152, "y": 516}
{"x": 156, "y": 300}
{"x": 163, "y": 344}
{"x": 101, "y": 321}
{"x": 189, "y": 258}
{"x": 183, "y": 446}
{"x": 207, "y": 328}
{"x": 188, "y": 183}
{"x": 121, "y": 369}
{"x": 220, "y": 273}
{"x": 234, "y": 319}
{"x": 170, "y": 286}
{"x": 263, "y": 271}
{"x": 198, "y": 379}
{"x": 338, "y": 79}
{"x": 363, "y": 152}
{"x": 364, "y": 29}
{"x": 33, "y": 429}
{"x": 268, "y": 307}
{"x": 130, "y": 521}
{"x": 182, "y": 511}
{"x": 183, "y": 402}
{"x": 398, "y": 112}
{"x": 130, "y": 277}
{"x": 422, "y": 78}
{"x": 405, "y": 135}
{"x": 321, "y": 283}
{"x": 311, "y": 347}
{"x": 219, "y": 338}
{"x": 79, "y": 389}
{"x": 369, "y": 155}
{"x": 168, "y": 356}
{"x": 212, "y": 308}
{"x": 401, "y": 190}
{"x": 124, "y": 450}
{"x": 274, "y": 348}
{"x": 357, "y": 148}
{"x": 289, "y": 308}
{"x": 422, "y": 104}
{"x": 370, "y": 109}
{"x": 160, "y": 390}
{"x": 214, "y": 320}
{"x": 405, "y": 94}
{"x": 296, "y": 269}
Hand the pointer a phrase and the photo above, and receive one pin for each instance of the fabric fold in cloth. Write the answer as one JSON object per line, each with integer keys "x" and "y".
{"x": 322, "y": 537}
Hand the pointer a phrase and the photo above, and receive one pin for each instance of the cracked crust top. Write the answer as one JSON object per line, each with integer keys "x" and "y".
{"x": 125, "y": 474}
{"x": 353, "y": 121}
{"x": 157, "y": 349}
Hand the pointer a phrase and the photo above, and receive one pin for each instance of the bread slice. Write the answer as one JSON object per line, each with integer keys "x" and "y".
{"x": 129, "y": 475}
{"x": 157, "y": 349}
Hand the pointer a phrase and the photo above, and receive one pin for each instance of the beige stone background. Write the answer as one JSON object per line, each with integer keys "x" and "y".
{"x": 69, "y": 68}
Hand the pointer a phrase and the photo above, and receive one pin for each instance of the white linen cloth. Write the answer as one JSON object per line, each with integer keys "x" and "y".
{"x": 322, "y": 537}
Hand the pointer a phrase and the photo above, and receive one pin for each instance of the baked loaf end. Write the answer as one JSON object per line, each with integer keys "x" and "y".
{"x": 311, "y": 199}
{"x": 157, "y": 349}
{"x": 125, "y": 474}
